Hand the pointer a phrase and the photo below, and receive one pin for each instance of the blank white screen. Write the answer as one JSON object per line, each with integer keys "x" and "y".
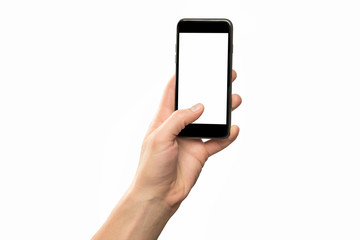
{"x": 203, "y": 74}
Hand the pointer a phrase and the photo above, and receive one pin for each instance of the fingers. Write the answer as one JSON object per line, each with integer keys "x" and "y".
{"x": 178, "y": 120}
{"x": 235, "y": 101}
{"x": 215, "y": 145}
{"x": 168, "y": 99}
{"x": 167, "y": 103}
{"x": 166, "y": 107}
{"x": 235, "y": 98}
{"x": 234, "y": 75}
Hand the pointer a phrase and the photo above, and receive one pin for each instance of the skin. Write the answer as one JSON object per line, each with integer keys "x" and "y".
{"x": 168, "y": 169}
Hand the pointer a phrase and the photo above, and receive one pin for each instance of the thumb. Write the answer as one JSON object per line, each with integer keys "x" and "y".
{"x": 179, "y": 119}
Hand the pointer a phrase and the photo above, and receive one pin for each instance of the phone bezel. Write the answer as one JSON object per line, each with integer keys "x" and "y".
{"x": 206, "y": 25}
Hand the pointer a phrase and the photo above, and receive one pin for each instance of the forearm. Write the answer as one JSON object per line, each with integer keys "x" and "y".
{"x": 136, "y": 217}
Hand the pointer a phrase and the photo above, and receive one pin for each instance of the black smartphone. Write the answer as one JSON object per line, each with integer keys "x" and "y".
{"x": 204, "y": 74}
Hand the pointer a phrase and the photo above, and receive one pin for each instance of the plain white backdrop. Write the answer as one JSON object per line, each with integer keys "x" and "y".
{"x": 81, "y": 80}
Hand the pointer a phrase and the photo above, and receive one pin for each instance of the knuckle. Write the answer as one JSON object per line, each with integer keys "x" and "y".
{"x": 181, "y": 117}
{"x": 155, "y": 140}
{"x": 179, "y": 113}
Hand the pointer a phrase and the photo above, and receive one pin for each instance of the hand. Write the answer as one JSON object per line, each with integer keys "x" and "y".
{"x": 169, "y": 165}
{"x": 168, "y": 168}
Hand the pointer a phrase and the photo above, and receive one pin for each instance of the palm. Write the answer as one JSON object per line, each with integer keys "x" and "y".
{"x": 191, "y": 157}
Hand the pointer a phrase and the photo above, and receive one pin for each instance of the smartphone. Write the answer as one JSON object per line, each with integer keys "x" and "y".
{"x": 204, "y": 74}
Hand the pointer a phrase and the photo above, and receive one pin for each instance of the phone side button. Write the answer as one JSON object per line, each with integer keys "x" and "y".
{"x": 175, "y": 58}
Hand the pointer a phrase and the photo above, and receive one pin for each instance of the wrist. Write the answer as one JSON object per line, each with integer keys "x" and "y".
{"x": 149, "y": 212}
{"x": 169, "y": 193}
{"x": 137, "y": 216}
{"x": 149, "y": 199}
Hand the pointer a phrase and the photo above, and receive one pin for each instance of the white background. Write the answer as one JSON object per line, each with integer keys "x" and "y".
{"x": 203, "y": 65}
{"x": 81, "y": 80}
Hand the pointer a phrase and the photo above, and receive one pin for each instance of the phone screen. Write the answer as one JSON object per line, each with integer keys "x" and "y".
{"x": 202, "y": 74}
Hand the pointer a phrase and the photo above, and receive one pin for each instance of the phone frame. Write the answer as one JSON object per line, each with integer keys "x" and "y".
{"x": 206, "y": 25}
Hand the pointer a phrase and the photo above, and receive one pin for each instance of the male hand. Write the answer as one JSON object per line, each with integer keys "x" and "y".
{"x": 169, "y": 165}
{"x": 168, "y": 168}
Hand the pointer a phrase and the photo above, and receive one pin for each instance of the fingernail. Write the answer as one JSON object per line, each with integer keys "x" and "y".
{"x": 196, "y": 107}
